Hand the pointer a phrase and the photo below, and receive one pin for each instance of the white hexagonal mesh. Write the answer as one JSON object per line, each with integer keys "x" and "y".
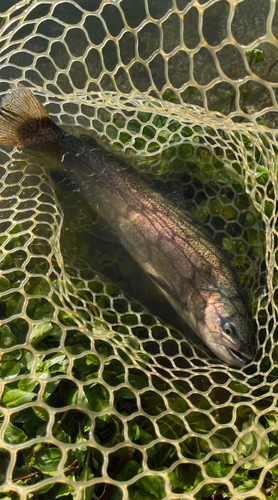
{"x": 99, "y": 397}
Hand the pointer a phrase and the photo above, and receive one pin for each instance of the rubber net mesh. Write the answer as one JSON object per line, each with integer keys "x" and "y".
{"x": 102, "y": 393}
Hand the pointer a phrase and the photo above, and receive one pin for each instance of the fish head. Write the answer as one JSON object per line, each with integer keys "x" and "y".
{"x": 225, "y": 326}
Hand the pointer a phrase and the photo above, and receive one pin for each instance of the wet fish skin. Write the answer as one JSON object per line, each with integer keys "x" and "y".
{"x": 165, "y": 239}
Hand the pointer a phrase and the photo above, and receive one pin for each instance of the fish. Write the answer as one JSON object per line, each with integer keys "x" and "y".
{"x": 162, "y": 235}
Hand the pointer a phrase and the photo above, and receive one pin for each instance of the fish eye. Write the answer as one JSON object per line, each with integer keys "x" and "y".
{"x": 229, "y": 329}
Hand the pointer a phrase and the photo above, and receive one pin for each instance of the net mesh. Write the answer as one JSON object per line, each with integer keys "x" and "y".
{"x": 100, "y": 397}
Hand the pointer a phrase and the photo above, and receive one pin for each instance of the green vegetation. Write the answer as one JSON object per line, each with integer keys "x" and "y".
{"x": 84, "y": 460}
{"x": 95, "y": 376}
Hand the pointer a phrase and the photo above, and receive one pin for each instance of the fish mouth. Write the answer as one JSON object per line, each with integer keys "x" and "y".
{"x": 237, "y": 357}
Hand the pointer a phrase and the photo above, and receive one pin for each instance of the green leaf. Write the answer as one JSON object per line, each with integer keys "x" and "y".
{"x": 247, "y": 485}
{"x": 144, "y": 116}
{"x": 7, "y": 338}
{"x": 149, "y": 131}
{"x": 64, "y": 490}
{"x": 40, "y": 331}
{"x": 14, "y": 435}
{"x": 89, "y": 494}
{"x": 146, "y": 438}
{"x": 9, "y": 369}
{"x": 87, "y": 367}
{"x": 217, "y": 469}
{"x": 207, "y": 491}
{"x": 16, "y": 397}
{"x": 57, "y": 363}
{"x": 86, "y": 474}
{"x": 134, "y": 431}
{"x": 27, "y": 384}
{"x": 112, "y": 379}
{"x": 111, "y": 131}
{"x": 41, "y": 413}
{"x": 4, "y": 284}
{"x": 124, "y": 137}
{"x": 134, "y": 126}
{"x": 248, "y": 444}
{"x": 175, "y": 483}
{"x": 256, "y": 54}
{"x": 71, "y": 397}
{"x": 81, "y": 454}
{"x": 14, "y": 304}
{"x": 45, "y": 311}
{"x": 171, "y": 427}
{"x": 45, "y": 489}
{"x": 137, "y": 382}
{"x": 170, "y": 95}
{"x": 154, "y": 485}
{"x": 97, "y": 397}
{"x": 50, "y": 388}
{"x": 14, "y": 355}
{"x": 62, "y": 435}
{"x": 238, "y": 387}
{"x": 130, "y": 470}
{"x": 177, "y": 403}
{"x": 47, "y": 460}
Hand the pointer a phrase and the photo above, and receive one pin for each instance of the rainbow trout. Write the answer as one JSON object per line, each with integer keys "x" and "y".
{"x": 164, "y": 238}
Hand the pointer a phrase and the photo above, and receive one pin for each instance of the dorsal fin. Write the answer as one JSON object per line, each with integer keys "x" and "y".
{"x": 19, "y": 109}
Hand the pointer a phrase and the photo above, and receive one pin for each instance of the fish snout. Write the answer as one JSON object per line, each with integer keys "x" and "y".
{"x": 231, "y": 351}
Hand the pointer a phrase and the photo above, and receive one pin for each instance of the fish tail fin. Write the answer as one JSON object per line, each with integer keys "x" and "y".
{"x": 22, "y": 117}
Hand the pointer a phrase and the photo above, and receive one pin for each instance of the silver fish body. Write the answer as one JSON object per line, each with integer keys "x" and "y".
{"x": 163, "y": 237}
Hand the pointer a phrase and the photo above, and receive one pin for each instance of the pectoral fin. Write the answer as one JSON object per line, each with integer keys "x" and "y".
{"x": 166, "y": 288}
{"x": 103, "y": 232}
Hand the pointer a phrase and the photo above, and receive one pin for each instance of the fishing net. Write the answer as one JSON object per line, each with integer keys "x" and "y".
{"x": 103, "y": 392}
